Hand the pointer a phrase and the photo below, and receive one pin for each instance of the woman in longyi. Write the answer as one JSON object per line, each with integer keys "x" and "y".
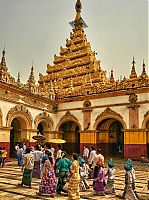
{"x": 74, "y": 179}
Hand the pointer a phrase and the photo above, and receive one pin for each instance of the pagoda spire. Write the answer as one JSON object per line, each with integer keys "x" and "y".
{"x": 51, "y": 91}
{"x": 133, "y": 71}
{"x": 31, "y": 80}
{"x": 78, "y": 8}
{"x": 112, "y": 77}
{"x": 143, "y": 70}
{"x": 78, "y": 23}
{"x": 3, "y": 62}
{"x": 18, "y": 80}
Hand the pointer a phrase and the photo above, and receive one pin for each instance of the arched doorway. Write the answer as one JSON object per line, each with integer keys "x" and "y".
{"x": 111, "y": 137}
{"x": 17, "y": 132}
{"x": 40, "y": 128}
{"x": 70, "y": 133}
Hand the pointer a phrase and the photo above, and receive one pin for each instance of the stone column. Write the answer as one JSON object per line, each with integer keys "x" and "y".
{"x": 134, "y": 137}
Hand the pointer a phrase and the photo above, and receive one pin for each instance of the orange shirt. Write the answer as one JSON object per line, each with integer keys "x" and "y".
{"x": 4, "y": 153}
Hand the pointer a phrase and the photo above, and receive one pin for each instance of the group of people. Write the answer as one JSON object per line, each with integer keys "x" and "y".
{"x": 3, "y": 156}
{"x": 102, "y": 186}
{"x": 55, "y": 172}
{"x": 60, "y": 174}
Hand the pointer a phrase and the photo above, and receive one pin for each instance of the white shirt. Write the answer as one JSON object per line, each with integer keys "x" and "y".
{"x": 91, "y": 156}
{"x": 86, "y": 152}
{"x": 16, "y": 147}
{"x": 37, "y": 155}
{"x": 97, "y": 158}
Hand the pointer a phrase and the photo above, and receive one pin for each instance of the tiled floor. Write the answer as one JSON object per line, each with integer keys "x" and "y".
{"x": 11, "y": 175}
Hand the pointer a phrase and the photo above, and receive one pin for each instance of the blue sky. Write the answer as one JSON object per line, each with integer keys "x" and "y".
{"x": 34, "y": 30}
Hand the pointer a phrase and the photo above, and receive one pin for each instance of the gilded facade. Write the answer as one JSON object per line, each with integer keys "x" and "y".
{"x": 76, "y": 101}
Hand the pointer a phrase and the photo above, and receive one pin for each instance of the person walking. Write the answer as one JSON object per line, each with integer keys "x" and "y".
{"x": 129, "y": 190}
{"x": 74, "y": 179}
{"x": 109, "y": 189}
{"x": 92, "y": 155}
{"x": 48, "y": 183}
{"x": 99, "y": 180}
{"x": 62, "y": 168}
{"x": 4, "y": 156}
{"x": 37, "y": 160}
{"x": 20, "y": 154}
{"x": 58, "y": 155}
{"x": 94, "y": 165}
{"x": 84, "y": 185}
{"x": 86, "y": 153}
{"x": 27, "y": 168}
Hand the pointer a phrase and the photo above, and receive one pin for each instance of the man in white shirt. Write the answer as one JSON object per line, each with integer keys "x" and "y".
{"x": 90, "y": 161}
{"x": 85, "y": 153}
{"x": 37, "y": 160}
{"x": 27, "y": 168}
{"x": 99, "y": 155}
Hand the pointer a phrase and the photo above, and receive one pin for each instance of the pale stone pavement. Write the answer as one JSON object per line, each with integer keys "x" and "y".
{"x": 11, "y": 175}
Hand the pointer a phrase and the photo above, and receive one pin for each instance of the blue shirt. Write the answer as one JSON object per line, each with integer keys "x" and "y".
{"x": 63, "y": 164}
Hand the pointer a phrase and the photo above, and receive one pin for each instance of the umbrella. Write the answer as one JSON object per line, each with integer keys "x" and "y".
{"x": 57, "y": 141}
{"x": 39, "y": 137}
{"x": 24, "y": 140}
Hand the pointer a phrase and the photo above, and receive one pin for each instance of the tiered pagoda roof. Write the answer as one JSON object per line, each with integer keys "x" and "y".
{"x": 76, "y": 71}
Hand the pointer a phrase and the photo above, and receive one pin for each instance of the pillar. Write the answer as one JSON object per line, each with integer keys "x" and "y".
{"x": 134, "y": 138}
{"x": 5, "y": 138}
{"x": 88, "y": 138}
{"x": 134, "y": 143}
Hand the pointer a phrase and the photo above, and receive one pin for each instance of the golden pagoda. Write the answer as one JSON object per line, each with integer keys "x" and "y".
{"x": 76, "y": 70}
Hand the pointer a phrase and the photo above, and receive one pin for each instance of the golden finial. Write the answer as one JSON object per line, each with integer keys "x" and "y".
{"x": 133, "y": 71}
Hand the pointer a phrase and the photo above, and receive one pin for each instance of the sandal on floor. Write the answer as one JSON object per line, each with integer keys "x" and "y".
{"x": 52, "y": 195}
{"x": 39, "y": 193}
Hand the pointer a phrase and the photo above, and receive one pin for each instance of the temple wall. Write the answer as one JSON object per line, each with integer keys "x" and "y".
{"x": 135, "y": 140}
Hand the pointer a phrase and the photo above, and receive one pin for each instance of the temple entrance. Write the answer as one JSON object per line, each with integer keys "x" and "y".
{"x": 40, "y": 128}
{"x": 70, "y": 133}
{"x": 111, "y": 138}
{"x": 15, "y": 134}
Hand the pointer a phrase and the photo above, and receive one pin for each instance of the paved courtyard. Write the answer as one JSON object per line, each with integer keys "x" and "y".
{"x": 11, "y": 175}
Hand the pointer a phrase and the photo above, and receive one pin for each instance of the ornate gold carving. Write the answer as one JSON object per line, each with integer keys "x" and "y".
{"x": 7, "y": 95}
{"x": 133, "y": 98}
{"x": 69, "y": 116}
{"x": 44, "y": 116}
{"x": 108, "y": 111}
{"x": 19, "y": 111}
{"x": 69, "y": 76}
{"x": 146, "y": 114}
{"x": 33, "y": 102}
{"x": 87, "y": 103}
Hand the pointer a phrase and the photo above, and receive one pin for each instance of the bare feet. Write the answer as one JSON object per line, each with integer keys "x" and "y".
{"x": 39, "y": 193}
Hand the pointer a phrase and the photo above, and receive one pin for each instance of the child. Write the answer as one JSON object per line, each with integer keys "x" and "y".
{"x": 128, "y": 190}
{"x": 109, "y": 189}
{"x": 44, "y": 158}
{"x": 100, "y": 180}
{"x": 4, "y": 155}
{"x": 84, "y": 185}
